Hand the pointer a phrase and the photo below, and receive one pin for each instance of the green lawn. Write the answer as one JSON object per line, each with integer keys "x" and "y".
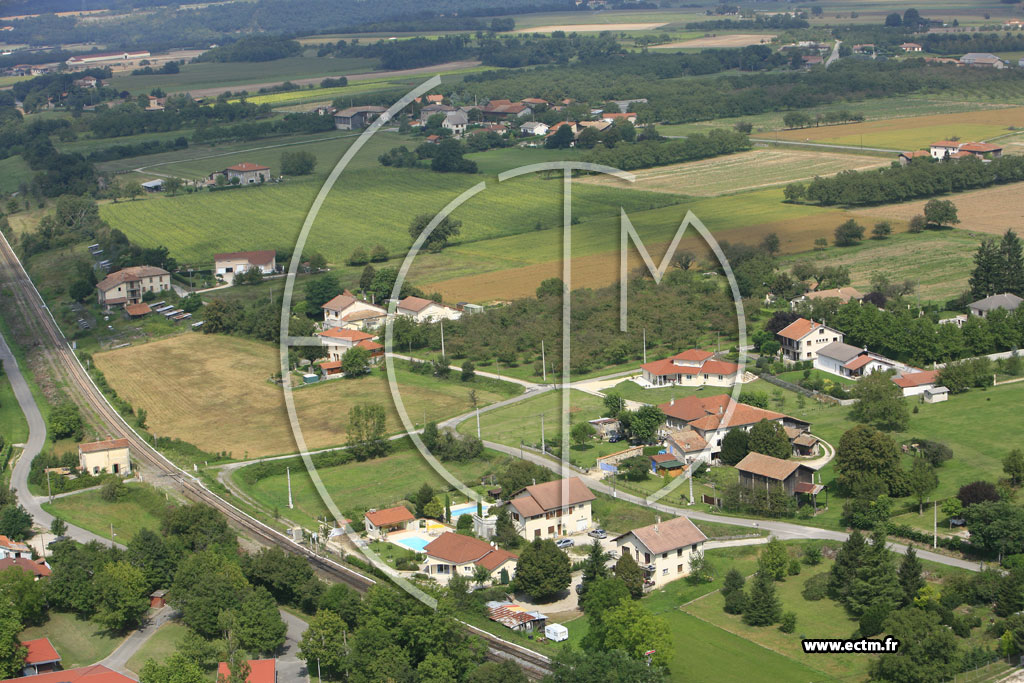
{"x": 160, "y": 645}
{"x": 362, "y": 485}
{"x": 13, "y": 426}
{"x": 138, "y": 510}
{"x": 78, "y": 642}
{"x": 794, "y": 377}
{"x": 13, "y": 171}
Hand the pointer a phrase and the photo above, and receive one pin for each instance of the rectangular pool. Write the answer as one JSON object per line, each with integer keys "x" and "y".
{"x": 413, "y": 543}
{"x": 465, "y": 508}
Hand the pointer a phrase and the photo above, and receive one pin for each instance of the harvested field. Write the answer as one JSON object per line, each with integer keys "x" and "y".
{"x": 914, "y": 132}
{"x": 734, "y": 40}
{"x": 215, "y": 391}
{"x": 583, "y": 28}
{"x": 991, "y": 210}
{"x": 744, "y": 171}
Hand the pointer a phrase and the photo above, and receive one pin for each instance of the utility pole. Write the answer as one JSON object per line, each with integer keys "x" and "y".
{"x": 691, "y": 484}
{"x": 645, "y": 346}
{"x": 49, "y": 492}
{"x": 442, "y": 340}
{"x": 288, "y": 472}
{"x": 543, "y": 444}
{"x": 478, "y": 423}
{"x": 935, "y": 524}
{"x": 543, "y": 362}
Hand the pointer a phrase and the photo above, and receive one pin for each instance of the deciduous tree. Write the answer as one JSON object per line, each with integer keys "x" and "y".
{"x": 543, "y": 570}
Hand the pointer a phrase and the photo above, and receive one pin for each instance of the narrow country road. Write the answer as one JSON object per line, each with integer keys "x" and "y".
{"x": 824, "y": 145}
{"x": 289, "y": 666}
{"x": 118, "y": 659}
{"x": 34, "y": 444}
{"x": 835, "y": 54}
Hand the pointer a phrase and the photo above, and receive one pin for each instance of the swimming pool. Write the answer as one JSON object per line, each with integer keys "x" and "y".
{"x": 465, "y": 508}
{"x": 413, "y": 543}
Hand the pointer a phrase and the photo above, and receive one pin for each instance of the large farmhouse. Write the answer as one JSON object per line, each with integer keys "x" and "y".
{"x": 802, "y": 338}
{"x": 356, "y": 117}
{"x": 247, "y": 173}
{"x": 128, "y": 285}
{"x": 665, "y": 550}
{"x": 552, "y": 509}
{"x": 425, "y": 310}
{"x": 349, "y": 312}
{"x": 450, "y": 554}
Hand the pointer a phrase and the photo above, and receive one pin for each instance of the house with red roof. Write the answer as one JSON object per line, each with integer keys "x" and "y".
{"x": 664, "y": 550}
{"x": 802, "y": 338}
{"x": 339, "y": 340}
{"x": 96, "y": 673}
{"x": 450, "y": 554}
{"x": 710, "y": 418}
{"x": 247, "y": 173}
{"x": 379, "y": 522}
{"x": 690, "y": 368}
{"x": 426, "y": 310}
{"x": 552, "y": 509}
{"x": 37, "y": 568}
{"x": 349, "y": 312}
{"x": 41, "y": 656}
{"x": 260, "y": 671}
{"x": 915, "y": 382}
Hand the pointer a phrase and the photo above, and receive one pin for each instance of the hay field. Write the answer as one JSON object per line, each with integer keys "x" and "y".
{"x": 991, "y": 210}
{"x": 913, "y": 132}
{"x": 734, "y": 40}
{"x": 582, "y": 28}
{"x": 744, "y": 171}
{"x": 214, "y": 391}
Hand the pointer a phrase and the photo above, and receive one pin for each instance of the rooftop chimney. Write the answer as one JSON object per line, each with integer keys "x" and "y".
{"x": 672, "y": 401}
{"x": 656, "y": 523}
{"x": 535, "y": 481}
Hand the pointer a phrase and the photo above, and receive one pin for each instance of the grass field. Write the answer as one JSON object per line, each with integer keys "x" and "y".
{"x": 78, "y": 642}
{"x": 138, "y": 510}
{"x": 914, "y": 132}
{"x": 13, "y": 172}
{"x": 992, "y": 210}
{"x": 13, "y": 426}
{"x": 362, "y": 485}
{"x": 362, "y": 210}
{"x": 159, "y": 647}
{"x": 605, "y": 17}
{"x": 725, "y": 40}
{"x": 938, "y": 261}
{"x": 744, "y": 171}
{"x": 213, "y": 74}
{"x": 214, "y": 391}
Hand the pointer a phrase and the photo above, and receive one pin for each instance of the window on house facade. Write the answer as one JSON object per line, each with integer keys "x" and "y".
{"x": 551, "y": 530}
{"x": 536, "y": 533}
{"x": 679, "y": 569}
{"x": 692, "y": 547}
{"x": 647, "y": 558}
{"x": 664, "y": 572}
{"x": 679, "y": 552}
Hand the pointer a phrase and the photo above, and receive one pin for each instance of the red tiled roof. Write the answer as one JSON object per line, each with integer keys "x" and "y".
{"x": 107, "y": 445}
{"x": 138, "y": 309}
{"x": 260, "y": 671}
{"x": 719, "y": 367}
{"x": 696, "y": 355}
{"x": 330, "y": 365}
{"x": 264, "y": 257}
{"x": 708, "y": 413}
{"x": 340, "y": 302}
{"x": 659, "y": 458}
{"x": 979, "y": 147}
{"x": 36, "y": 568}
{"x": 687, "y": 440}
{"x": 129, "y": 275}
{"x": 414, "y": 303}
{"x": 247, "y": 166}
{"x": 548, "y": 496}
{"x": 96, "y": 673}
{"x": 350, "y": 335}
{"x": 858, "y": 362}
{"x": 946, "y": 143}
{"x": 916, "y": 153}
{"x": 798, "y": 329}
{"x": 665, "y": 537}
{"x": 767, "y": 466}
{"x": 616, "y": 115}
{"x": 40, "y": 651}
{"x": 916, "y": 379}
{"x": 388, "y": 516}
{"x": 665, "y": 366}
{"x": 370, "y": 345}
{"x": 459, "y": 549}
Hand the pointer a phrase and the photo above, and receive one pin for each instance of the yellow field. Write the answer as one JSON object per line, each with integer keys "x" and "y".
{"x": 733, "y": 40}
{"x": 991, "y": 210}
{"x": 744, "y": 171}
{"x": 914, "y": 132}
{"x": 215, "y": 391}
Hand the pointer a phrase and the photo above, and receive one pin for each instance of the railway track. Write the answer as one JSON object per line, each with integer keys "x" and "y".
{"x": 62, "y": 358}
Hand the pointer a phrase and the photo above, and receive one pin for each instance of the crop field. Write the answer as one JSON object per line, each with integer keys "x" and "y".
{"x": 84, "y": 145}
{"x": 938, "y": 261}
{"x": 363, "y": 210}
{"x": 510, "y": 267}
{"x": 657, "y": 18}
{"x": 873, "y": 110}
{"x": 990, "y": 210}
{"x": 6, "y": 81}
{"x": 215, "y": 391}
{"x": 745, "y": 171}
{"x": 212, "y": 74}
{"x": 915, "y": 132}
{"x": 361, "y": 485}
{"x": 727, "y": 40}
{"x": 581, "y": 28}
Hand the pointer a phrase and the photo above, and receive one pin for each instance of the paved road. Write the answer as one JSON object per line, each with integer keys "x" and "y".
{"x": 824, "y": 145}
{"x": 289, "y": 666}
{"x": 504, "y": 378}
{"x": 835, "y": 54}
{"x": 36, "y": 439}
{"x": 784, "y": 530}
{"x": 118, "y": 659}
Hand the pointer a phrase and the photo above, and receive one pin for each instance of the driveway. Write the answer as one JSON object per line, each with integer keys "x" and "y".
{"x": 289, "y": 666}
{"x": 118, "y": 659}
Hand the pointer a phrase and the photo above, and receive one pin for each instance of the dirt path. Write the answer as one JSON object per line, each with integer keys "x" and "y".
{"x": 354, "y": 78}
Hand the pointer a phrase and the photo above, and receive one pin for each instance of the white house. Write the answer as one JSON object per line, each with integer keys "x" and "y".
{"x": 690, "y": 368}
{"x": 534, "y": 128}
{"x": 13, "y": 550}
{"x": 665, "y": 550}
{"x": 802, "y": 338}
{"x": 379, "y": 522}
{"x": 349, "y": 312}
{"x": 450, "y": 554}
{"x": 456, "y": 122}
{"x": 1007, "y": 302}
{"x": 917, "y": 382}
{"x": 935, "y": 394}
{"x": 339, "y": 340}
{"x": 128, "y": 285}
{"x": 425, "y": 310}
{"x": 552, "y": 509}
{"x": 226, "y": 266}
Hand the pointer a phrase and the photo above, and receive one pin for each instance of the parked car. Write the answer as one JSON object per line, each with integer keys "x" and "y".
{"x": 615, "y": 438}
{"x": 579, "y": 588}
{"x": 598, "y": 533}
{"x": 57, "y": 540}
{"x": 565, "y": 543}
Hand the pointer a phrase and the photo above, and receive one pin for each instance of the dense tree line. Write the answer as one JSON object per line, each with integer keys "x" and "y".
{"x": 287, "y": 125}
{"x": 959, "y": 43}
{"x": 648, "y": 153}
{"x": 261, "y": 48}
{"x": 920, "y": 178}
{"x": 138, "y": 149}
{"x": 179, "y": 111}
{"x": 760, "y": 22}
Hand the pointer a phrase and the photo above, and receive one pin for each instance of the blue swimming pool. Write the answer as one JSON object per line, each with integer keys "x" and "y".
{"x": 414, "y": 543}
{"x": 465, "y": 508}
